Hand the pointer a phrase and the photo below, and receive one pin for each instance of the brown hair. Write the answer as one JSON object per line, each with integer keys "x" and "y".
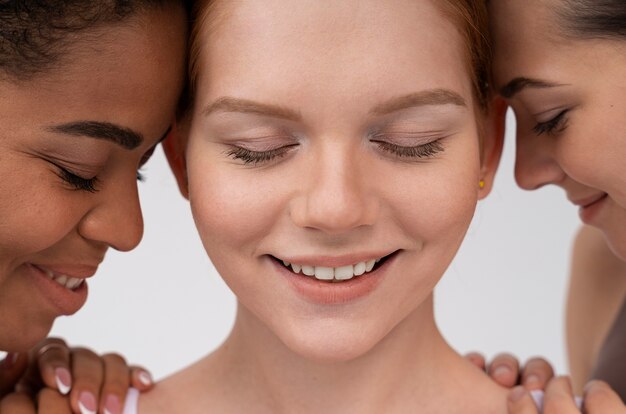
{"x": 470, "y": 17}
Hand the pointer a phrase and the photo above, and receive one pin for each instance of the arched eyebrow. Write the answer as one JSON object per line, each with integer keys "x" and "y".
{"x": 518, "y": 84}
{"x": 125, "y": 137}
{"x": 228, "y": 104}
{"x": 417, "y": 99}
{"x": 422, "y": 98}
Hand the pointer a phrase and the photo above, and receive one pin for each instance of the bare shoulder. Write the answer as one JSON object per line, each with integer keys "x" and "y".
{"x": 596, "y": 292}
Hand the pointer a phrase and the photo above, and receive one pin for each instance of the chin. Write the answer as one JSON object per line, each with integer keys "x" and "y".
{"x": 332, "y": 344}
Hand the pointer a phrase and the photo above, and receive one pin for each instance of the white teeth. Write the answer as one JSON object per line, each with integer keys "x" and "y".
{"x": 324, "y": 273}
{"x": 359, "y": 268}
{"x": 337, "y": 273}
{"x": 61, "y": 280}
{"x": 73, "y": 283}
{"x": 344, "y": 272}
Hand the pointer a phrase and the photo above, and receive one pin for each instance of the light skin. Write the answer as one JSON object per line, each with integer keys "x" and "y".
{"x": 305, "y": 151}
{"x": 569, "y": 118}
{"x": 567, "y": 94}
{"x": 73, "y": 139}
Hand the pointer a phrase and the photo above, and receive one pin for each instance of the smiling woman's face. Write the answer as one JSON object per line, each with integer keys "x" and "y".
{"x": 568, "y": 95}
{"x": 71, "y": 143}
{"x": 325, "y": 136}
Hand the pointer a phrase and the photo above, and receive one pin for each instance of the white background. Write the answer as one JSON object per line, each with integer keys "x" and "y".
{"x": 164, "y": 306}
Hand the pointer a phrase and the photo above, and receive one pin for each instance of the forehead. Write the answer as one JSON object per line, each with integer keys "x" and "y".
{"x": 126, "y": 74}
{"x": 524, "y": 33}
{"x": 347, "y": 45}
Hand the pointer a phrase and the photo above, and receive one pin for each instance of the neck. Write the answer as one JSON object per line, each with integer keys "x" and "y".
{"x": 412, "y": 365}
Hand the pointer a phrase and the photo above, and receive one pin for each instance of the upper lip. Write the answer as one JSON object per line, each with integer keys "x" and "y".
{"x": 586, "y": 201}
{"x": 79, "y": 271}
{"x": 333, "y": 261}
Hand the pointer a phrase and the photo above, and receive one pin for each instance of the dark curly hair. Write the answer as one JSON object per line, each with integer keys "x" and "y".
{"x": 35, "y": 34}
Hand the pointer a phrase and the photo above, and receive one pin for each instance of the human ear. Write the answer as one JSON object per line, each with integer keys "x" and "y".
{"x": 174, "y": 148}
{"x": 493, "y": 141}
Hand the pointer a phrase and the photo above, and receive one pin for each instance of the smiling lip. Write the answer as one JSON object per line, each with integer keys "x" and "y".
{"x": 64, "y": 286}
{"x": 324, "y": 292}
{"x": 590, "y": 207}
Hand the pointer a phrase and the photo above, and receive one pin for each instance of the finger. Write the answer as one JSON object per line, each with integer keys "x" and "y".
{"x": 51, "y": 402}
{"x": 116, "y": 383}
{"x": 504, "y": 369}
{"x": 53, "y": 363}
{"x": 536, "y": 374}
{"x": 520, "y": 402}
{"x": 88, "y": 374}
{"x": 17, "y": 403}
{"x": 12, "y": 367}
{"x": 141, "y": 379}
{"x": 476, "y": 359}
{"x": 559, "y": 398}
{"x": 601, "y": 399}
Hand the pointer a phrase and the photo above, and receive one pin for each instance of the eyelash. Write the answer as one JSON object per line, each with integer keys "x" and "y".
{"x": 427, "y": 150}
{"x": 87, "y": 184}
{"x": 553, "y": 126}
{"x": 79, "y": 183}
{"x": 258, "y": 157}
{"x": 250, "y": 157}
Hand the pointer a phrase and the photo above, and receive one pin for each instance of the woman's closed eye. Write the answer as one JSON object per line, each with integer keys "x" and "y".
{"x": 422, "y": 151}
{"x": 553, "y": 126}
{"x": 253, "y": 157}
{"x": 77, "y": 182}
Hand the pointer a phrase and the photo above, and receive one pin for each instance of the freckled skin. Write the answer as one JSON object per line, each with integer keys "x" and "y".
{"x": 131, "y": 78}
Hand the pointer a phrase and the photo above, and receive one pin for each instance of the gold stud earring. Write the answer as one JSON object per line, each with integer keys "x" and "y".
{"x": 481, "y": 184}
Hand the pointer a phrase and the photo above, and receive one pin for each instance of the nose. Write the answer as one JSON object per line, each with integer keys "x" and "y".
{"x": 335, "y": 197}
{"x": 116, "y": 219}
{"x": 535, "y": 164}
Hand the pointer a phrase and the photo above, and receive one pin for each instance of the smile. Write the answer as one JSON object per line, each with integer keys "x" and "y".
{"x": 68, "y": 282}
{"x": 335, "y": 274}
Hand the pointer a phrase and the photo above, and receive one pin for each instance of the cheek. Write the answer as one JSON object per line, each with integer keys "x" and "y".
{"x": 36, "y": 214}
{"x": 230, "y": 207}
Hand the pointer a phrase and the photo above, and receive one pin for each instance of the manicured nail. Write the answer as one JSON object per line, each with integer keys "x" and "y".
{"x": 112, "y": 405}
{"x": 145, "y": 378}
{"x": 87, "y": 403}
{"x": 501, "y": 372}
{"x": 517, "y": 394}
{"x": 532, "y": 381}
{"x": 63, "y": 378}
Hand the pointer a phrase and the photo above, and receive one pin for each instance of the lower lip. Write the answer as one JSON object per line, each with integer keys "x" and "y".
{"x": 65, "y": 301}
{"x": 590, "y": 212}
{"x": 335, "y": 293}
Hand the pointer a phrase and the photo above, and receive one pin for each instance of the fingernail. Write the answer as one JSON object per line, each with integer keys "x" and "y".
{"x": 87, "y": 403}
{"x": 502, "y": 371}
{"x": 145, "y": 378}
{"x": 517, "y": 394}
{"x": 532, "y": 380}
{"x": 112, "y": 405}
{"x": 63, "y": 378}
